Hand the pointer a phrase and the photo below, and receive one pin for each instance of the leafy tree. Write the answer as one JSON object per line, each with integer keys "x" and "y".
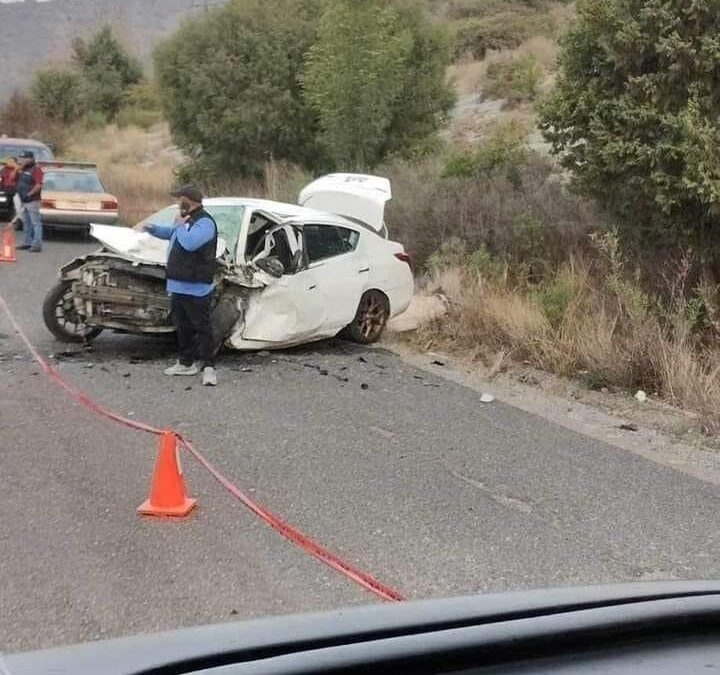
{"x": 376, "y": 80}
{"x": 57, "y": 93}
{"x": 107, "y": 69}
{"x": 635, "y": 114}
{"x": 230, "y": 85}
{"x": 427, "y": 96}
{"x": 258, "y": 89}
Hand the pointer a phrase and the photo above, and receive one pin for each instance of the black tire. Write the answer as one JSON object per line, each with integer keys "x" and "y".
{"x": 370, "y": 319}
{"x": 61, "y": 319}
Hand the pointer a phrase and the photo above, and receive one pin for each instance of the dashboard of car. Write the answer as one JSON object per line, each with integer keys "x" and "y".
{"x": 627, "y": 629}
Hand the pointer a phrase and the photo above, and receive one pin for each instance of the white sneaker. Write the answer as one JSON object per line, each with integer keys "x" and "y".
{"x": 209, "y": 378}
{"x": 180, "y": 369}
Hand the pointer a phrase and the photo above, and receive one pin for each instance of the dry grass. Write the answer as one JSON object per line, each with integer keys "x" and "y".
{"x": 563, "y": 14}
{"x": 136, "y": 165}
{"x": 581, "y": 324}
{"x": 467, "y": 76}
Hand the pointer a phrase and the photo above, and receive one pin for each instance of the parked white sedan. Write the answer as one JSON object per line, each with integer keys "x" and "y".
{"x": 288, "y": 273}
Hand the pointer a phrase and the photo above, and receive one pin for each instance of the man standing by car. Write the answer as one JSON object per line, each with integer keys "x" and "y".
{"x": 29, "y": 186}
{"x": 190, "y": 282}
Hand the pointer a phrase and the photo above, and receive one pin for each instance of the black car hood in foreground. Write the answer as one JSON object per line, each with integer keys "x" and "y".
{"x": 630, "y": 628}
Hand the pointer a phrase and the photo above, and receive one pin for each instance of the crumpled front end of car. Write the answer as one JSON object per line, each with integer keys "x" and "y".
{"x": 111, "y": 292}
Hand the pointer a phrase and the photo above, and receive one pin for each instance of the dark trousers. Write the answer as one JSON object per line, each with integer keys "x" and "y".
{"x": 191, "y": 317}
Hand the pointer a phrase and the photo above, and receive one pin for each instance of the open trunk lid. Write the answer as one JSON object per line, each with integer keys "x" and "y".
{"x": 355, "y": 196}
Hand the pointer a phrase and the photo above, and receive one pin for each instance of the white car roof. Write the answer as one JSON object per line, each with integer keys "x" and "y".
{"x": 289, "y": 213}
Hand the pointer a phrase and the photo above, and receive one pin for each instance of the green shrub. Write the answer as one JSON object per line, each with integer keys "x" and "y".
{"x": 107, "y": 71}
{"x": 134, "y": 116}
{"x": 454, "y": 252}
{"x": 144, "y": 95}
{"x": 634, "y": 114}
{"x": 93, "y": 119}
{"x": 57, "y": 93}
{"x": 516, "y": 79}
{"x": 504, "y": 148}
{"x": 555, "y": 295}
{"x": 507, "y": 29}
{"x": 484, "y": 264}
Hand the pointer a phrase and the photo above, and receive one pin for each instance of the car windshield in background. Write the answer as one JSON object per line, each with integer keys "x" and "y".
{"x": 41, "y": 154}
{"x": 229, "y": 220}
{"x": 72, "y": 181}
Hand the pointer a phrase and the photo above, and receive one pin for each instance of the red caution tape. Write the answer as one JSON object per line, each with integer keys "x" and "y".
{"x": 293, "y": 535}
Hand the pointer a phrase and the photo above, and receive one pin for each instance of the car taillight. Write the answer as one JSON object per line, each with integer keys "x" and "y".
{"x": 109, "y": 205}
{"x": 47, "y": 203}
{"x": 405, "y": 257}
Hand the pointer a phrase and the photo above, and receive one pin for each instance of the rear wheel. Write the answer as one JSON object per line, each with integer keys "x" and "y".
{"x": 61, "y": 317}
{"x": 371, "y": 317}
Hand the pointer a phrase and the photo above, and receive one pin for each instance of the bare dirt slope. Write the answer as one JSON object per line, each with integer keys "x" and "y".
{"x": 35, "y": 33}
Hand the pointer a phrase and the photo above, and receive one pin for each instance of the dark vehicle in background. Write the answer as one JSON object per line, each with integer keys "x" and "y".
{"x": 13, "y": 147}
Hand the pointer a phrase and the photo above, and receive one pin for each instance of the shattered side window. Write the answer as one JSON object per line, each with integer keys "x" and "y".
{"x": 229, "y": 220}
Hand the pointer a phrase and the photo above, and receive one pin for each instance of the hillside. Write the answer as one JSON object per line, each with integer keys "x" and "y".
{"x": 33, "y": 33}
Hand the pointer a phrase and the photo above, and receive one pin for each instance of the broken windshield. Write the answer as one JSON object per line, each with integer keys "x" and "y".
{"x": 229, "y": 220}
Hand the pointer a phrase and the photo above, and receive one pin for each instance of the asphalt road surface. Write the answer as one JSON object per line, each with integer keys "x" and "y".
{"x": 406, "y": 475}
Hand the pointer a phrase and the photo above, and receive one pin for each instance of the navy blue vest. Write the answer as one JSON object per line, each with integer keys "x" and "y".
{"x": 25, "y": 183}
{"x": 198, "y": 266}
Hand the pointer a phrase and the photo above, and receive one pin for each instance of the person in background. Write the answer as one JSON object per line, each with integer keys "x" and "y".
{"x": 8, "y": 179}
{"x": 190, "y": 282}
{"x": 29, "y": 186}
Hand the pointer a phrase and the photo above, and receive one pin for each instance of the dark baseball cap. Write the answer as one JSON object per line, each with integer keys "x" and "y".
{"x": 27, "y": 154}
{"x": 190, "y": 191}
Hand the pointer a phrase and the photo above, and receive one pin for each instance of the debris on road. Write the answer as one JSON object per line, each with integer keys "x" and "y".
{"x": 628, "y": 427}
{"x": 364, "y": 385}
{"x": 487, "y": 398}
{"x": 641, "y": 396}
{"x": 437, "y": 362}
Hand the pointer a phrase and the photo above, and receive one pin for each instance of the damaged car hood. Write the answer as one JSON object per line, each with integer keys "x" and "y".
{"x": 138, "y": 246}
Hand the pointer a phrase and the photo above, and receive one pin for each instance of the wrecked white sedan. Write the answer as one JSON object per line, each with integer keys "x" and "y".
{"x": 286, "y": 274}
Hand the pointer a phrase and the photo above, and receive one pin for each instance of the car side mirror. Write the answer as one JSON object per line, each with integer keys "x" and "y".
{"x": 271, "y": 266}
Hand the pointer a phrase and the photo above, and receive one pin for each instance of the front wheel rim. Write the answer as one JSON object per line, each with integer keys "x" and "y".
{"x": 372, "y": 317}
{"x": 67, "y": 317}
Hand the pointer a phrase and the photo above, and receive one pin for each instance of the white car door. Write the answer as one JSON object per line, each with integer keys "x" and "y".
{"x": 289, "y": 310}
{"x": 342, "y": 269}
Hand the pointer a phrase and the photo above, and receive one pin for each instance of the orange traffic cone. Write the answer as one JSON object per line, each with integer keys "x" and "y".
{"x": 7, "y": 244}
{"x": 167, "y": 491}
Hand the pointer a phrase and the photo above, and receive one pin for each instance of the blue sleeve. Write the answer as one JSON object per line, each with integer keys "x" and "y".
{"x": 161, "y": 231}
{"x": 198, "y": 235}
